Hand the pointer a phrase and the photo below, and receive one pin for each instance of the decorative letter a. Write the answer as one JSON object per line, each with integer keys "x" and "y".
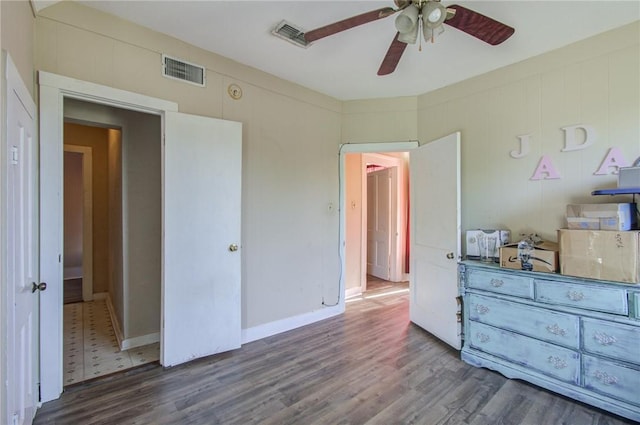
{"x": 545, "y": 167}
{"x": 614, "y": 159}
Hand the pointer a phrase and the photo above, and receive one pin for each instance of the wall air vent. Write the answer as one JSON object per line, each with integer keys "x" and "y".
{"x": 178, "y": 69}
{"x": 291, "y": 33}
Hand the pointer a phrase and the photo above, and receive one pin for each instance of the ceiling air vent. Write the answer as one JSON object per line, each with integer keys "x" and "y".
{"x": 183, "y": 71}
{"x": 291, "y": 33}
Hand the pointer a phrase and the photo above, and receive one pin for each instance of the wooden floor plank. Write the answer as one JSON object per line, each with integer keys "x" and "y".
{"x": 368, "y": 366}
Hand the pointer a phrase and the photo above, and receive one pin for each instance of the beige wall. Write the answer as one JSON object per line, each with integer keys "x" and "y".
{"x": 594, "y": 82}
{"x": 17, "y": 37}
{"x": 73, "y": 209}
{"x": 380, "y": 120}
{"x": 96, "y": 138}
{"x": 353, "y": 221}
{"x": 291, "y": 136}
{"x": 290, "y": 149}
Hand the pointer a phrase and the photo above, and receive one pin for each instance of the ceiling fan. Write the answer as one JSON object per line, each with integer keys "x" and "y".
{"x": 428, "y": 14}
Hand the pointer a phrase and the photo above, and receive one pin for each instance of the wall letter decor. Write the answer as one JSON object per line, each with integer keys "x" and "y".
{"x": 570, "y": 137}
{"x": 613, "y": 159}
{"x": 524, "y": 147}
{"x": 545, "y": 170}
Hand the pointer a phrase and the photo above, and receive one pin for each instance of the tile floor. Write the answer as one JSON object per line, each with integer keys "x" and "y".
{"x": 90, "y": 345}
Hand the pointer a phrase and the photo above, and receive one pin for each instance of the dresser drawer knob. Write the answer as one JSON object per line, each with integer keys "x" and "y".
{"x": 482, "y": 309}
{"x": 604, "y": 339}
{"x": 605, "y": 378}
{"x": 496, "y": 283}
{"x": 556, "y": 330}
{"x": 482, "y": 337}
{"x": 575, "y": 295}
{"x": 557, "y": 362}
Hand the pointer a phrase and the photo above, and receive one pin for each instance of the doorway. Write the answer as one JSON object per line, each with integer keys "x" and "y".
{"x": 117, "y": 315}
{"x": 434, "y": 230}
{"x": 376, "y": 188}
{"x": 193, "y": 149}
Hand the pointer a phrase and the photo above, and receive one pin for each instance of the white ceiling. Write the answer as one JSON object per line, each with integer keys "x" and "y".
{"x": 344, "y": 65}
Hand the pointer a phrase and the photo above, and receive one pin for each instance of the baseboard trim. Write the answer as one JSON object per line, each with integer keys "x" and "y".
{"x": 117, "y": 330}
{"x": 352, "y": 292}
{"x": 273, "y": 328}
{"x": 139, "y": 341}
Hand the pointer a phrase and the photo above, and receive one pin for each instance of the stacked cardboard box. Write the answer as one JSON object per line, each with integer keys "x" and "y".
{"x": 601, "y": 216}
{"x": 600, "y": 242}
{"x": 600, "y": 254}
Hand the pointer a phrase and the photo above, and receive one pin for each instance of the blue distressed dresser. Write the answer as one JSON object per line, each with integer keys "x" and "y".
{"x": 577, "y": 337}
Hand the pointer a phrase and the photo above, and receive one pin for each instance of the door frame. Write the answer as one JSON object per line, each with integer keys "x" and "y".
{"x": 53, "y": 90}
{"x": 363, "y": 148}
{"x": 87, "y": 218}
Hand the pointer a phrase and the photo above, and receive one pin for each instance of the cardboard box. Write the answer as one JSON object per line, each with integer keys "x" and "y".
{"x": 602, "y": 216}
{"x": 600, "y": 254}
{"x": 583, "y": 223}
{"x": 545, "y": 258}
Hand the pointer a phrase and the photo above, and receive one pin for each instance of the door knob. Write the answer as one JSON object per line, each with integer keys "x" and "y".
{"x": 233, "y": 247}
{"x": 38, "y": 286}
{"x": 450, "y": 255}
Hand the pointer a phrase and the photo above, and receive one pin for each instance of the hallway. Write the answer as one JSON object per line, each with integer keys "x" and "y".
{"x": 90, "y": 346}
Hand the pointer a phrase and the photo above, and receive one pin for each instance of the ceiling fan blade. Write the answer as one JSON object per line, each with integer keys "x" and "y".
{"x": 480, "y": 26}
{"x": 348, "y": 23}
{"x": 391, "y": 59}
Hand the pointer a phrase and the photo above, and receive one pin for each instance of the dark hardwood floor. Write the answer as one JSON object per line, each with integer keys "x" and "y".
{"x": 368, "y": 366}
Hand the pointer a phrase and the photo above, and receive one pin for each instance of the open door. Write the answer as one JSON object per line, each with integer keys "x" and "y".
{"x": 435, "y": 238}
{"x": 201, "y": 237}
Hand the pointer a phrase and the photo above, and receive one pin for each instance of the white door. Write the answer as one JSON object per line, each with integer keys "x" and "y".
{"x": 201, "y": 256}
{"x": 379, "y": 192}
{"x": 435, "y": 238}
{"x": 21, "y": 246}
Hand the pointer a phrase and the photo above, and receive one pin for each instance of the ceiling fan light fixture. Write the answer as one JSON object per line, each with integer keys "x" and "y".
{"x": 433, "y": 14}
{"x": 430, "y": 34}
{"x": 409, "y": 37}
{"x": 407, "y": 20}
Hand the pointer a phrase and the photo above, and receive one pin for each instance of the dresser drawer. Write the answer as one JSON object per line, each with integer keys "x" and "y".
{"x": 610, "y": 300}
{"x": 519, "y": 286}
{"x": 612, "y": 340}
{"x": 635, "y": 302}
{"x": 612, "y": 379}
{"x": 559, "y": 328}
{"x": 549, "y": 359}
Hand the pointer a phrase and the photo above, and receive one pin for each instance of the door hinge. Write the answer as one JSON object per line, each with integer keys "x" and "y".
{"x": 39, "y": 392}
{"x": 59, "y": 258}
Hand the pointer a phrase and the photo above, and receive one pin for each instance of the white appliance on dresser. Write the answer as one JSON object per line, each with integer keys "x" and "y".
{"x": 502, "y": 236}
{"x": 574, "y": 336}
